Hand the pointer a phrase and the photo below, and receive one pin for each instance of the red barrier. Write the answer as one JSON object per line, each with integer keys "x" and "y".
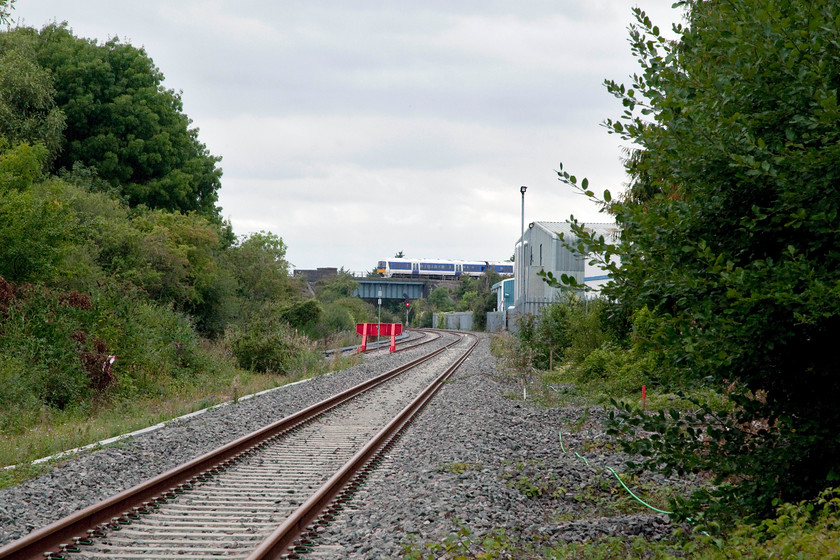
{"x": 378, "y": 329}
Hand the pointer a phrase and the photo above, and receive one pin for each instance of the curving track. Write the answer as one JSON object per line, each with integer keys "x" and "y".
{"x": 229, "y": 503}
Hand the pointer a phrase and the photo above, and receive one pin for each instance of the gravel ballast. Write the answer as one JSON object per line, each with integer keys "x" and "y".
{"x": 477, "y": 457}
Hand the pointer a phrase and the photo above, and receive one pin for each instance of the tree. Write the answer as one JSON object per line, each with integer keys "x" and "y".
{"x": 441, "y": 299}
{"x": 35, "y": 234}
{"x": 6, "y": 7}
{"x": 342, "y": 285}
{"x": 553, "y": 329}
{"x": 28, "y": 112}
{"x": 120, "y": 120}
{"x": 730, "y": 229}
{"x": 259, "y": 263}
{"x": 21, "y": 166}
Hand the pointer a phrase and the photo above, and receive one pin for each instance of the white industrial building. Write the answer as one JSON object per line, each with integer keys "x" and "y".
{"x": 540, "y": 249}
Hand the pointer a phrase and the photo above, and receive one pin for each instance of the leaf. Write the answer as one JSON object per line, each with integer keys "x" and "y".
{"x": 607, "y": 196}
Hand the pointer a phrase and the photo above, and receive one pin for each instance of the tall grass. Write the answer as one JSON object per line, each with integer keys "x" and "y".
{"x": 57, "y": 393}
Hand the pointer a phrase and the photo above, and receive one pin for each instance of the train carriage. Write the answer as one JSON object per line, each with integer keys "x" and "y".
{"x": 438, "y": 268}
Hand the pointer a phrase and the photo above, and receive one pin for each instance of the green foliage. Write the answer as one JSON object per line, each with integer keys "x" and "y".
{"x": 356, "y": 309}
{"x": 120, "y": 120}
{"x": 553, "y": 331}
{"x": 153, "y": 343}
{"x": 568, "y": 330}
{"x": 338, "y": 318}
{"x": 181, "y": 252}
{"x": 802, "y": 530}
{"x": 459, "y": 467}
{"x": 441, "y": 299}
{"x": 729, "y": 239}
{"x": 35, "y": 235}
{"x": 6, "y": 7}
{"x": 176, "y": 259}
{"x": 340, "y": 286}
{"x": 54, "y": 345}
{"x": 483, "y": 303}
{"x": 260, "y": 265}
{"x": 28, "y": 113}
{"x": 301, "y": 314}
{"x": 268, "y": 344}
{"x": 462, "y": 545}
{"x": 21, "y": 166}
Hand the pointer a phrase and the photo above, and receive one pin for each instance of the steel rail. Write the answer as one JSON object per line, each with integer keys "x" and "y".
{"x": 428, "y": 338}
{"x": 60, "y": 534}
{"x": 283, "y": 540}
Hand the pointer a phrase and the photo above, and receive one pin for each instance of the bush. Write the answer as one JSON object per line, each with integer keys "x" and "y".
{"x": 732, "y": 243}
{"x": 615, "y": 371}
{"x": 19, "y": 402}
{"x": 268, "y": 344}
{"x": 45, "y": 331}
{"x": 54, "y": 345}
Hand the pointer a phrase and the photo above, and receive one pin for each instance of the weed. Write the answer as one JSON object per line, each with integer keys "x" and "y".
{"x": 459, "y": 468}
{"x": 16, "y": 475}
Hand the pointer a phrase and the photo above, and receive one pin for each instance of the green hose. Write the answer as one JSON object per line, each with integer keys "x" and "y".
{"x": 560, "y": 435}
{"x": 635, "y": 496}
{"x": 582, "y": 457}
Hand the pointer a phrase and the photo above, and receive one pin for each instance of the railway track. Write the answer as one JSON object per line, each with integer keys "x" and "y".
{"x": 417, "y": 337}
{"x": 262, "y": 496}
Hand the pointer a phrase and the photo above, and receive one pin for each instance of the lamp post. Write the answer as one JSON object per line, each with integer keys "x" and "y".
{"x": 522, "y": 189}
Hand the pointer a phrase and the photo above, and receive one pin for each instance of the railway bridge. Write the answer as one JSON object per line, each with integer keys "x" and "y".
{"x": 388, "y": 288}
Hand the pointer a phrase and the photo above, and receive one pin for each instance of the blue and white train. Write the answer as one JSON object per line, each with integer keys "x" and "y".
{"x": 438, "y": 268}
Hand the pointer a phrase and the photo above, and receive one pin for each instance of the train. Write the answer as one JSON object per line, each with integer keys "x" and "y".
{"x": 438, "y": 268}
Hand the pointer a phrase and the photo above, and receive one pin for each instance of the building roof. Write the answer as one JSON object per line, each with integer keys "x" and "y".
{"x": 604, "y": 229}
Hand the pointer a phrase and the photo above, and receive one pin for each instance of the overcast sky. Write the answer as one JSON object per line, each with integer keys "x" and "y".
{"x": 357, "y": 129}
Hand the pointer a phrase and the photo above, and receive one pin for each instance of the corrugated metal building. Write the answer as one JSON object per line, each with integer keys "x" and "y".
{"x": 539, "y": 250}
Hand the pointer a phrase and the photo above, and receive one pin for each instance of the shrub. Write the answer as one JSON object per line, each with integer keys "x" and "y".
{"x": 616, "y": 371}
{"x": 729, "y": 237}
{"x": 19, "y": 402}
{"x": 267, "y": 345}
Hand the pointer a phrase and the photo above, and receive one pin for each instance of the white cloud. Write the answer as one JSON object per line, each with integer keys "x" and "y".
{"x": 355, "y": 130}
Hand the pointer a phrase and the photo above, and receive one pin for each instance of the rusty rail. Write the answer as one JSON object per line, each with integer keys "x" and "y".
{"x": 284, "y": 539}
{"x": 61, "y": 534}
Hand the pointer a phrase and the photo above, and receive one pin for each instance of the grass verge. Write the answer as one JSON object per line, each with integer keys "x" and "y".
{"x": 60, "y": 430}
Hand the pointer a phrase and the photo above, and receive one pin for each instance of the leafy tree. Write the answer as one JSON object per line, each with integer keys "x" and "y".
{"x": 260, "y": 265}
{"x": 342, "y": 285}
{"x": 28, "y": 112}
{"x": 182, "y": 253}
{"x": 120, "y": 120}
{"x": 21, "y": 166}
{"x": 553, "y": 329}
{"x": 730, "y": 230}
{"x": 268, "y": 344}
{"x": 6, "y": 7}
{"x": 301, "y": 315}
{"x": 441, "y": 300}
{"x": 482, "y": 304}
{"x": 35, "y": 234}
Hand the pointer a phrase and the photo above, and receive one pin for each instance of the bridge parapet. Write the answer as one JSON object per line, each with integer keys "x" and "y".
{"x": 370, "y": 288}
